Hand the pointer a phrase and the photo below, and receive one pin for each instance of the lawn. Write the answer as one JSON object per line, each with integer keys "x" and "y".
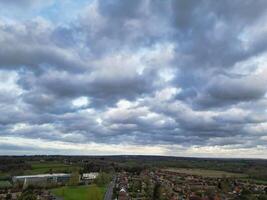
{"x": 77, "y": 192}
{"x": 206, "y": 173}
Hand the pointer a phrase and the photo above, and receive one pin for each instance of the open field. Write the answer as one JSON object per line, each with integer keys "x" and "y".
{"x": 43, "y": 168}
{"x": 40, "y": 168}
{"x": 2, "y": 174}
{"x": 206, "y": 173}
{"x": 78, "y": 192}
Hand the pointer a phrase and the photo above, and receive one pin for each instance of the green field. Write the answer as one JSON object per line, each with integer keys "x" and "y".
{"x": 206, "y": 173}
{"x": 45, "y": 167}
{"x": 78, "y": 192}
{"x": 2, "y": 174}
{"x": 40, "y": 168}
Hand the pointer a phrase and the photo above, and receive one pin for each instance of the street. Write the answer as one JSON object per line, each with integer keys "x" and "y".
{"x": 109, "y": 192}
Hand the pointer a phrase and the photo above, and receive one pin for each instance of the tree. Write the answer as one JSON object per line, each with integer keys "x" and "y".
{"x": 74, "y": 178}
{"x": 28, "y": 194}
{"x": 8, "y": 197}
{"x": 157, "y": 192}
{"x": 148, "y": 188}
{"x": 102, "y": 179}
{"x": 263, "y": 197}
{"x": 94, "y": 193}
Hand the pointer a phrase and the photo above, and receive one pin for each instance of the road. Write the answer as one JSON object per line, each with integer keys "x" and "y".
{"x": 109, "y": 192}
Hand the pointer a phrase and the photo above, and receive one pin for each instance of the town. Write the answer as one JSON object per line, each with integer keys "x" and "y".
{"x": 162, "y": 184}
{"x": 114, "y": 178}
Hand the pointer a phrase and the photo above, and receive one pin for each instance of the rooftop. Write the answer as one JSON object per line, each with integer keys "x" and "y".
{"x": 42, "y": 176}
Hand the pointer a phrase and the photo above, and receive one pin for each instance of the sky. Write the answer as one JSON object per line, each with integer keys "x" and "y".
{"x": 146, "y": 77}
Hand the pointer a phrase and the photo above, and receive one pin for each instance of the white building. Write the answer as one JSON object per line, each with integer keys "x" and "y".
{"x": 90, "y": 176}
{"x": 42, "y": 178}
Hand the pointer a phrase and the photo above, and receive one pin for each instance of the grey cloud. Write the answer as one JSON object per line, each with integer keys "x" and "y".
{"x": 247, "y": 88}
{"x": 123, "y": 25}
{"x": 224, "y": 90}
{"x": 29, "y": 46}
{"x": 209, "y": 30}
{"x": 44, "y": 90}
{"x": 15, "y": 148}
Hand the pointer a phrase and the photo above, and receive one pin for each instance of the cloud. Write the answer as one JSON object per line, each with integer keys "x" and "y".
{"x": 223, "y": 90}
{"x": 156, "y": 76}
{"x": 30, "y": 45}
{"x": 17, "y": 2}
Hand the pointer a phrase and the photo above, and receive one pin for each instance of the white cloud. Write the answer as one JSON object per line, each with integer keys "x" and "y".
{"x": 80, "y": 102}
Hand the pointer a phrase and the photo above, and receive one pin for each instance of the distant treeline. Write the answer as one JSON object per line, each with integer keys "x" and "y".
{"x": 255, "y": 168}
{"x": 14, "y": 165}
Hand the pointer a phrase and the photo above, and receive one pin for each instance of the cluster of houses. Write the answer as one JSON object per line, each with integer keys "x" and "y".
{"x": 179, "y": 186}
{"x": 40, "y": 194}
{"x": 185, "y": 186}
{"x": 122, "y": 185}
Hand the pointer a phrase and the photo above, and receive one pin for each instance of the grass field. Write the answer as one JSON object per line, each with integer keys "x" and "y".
{"x": 40, "y": 168}
{"x": 206, "y": 173}
{"x": 2, "y": 174}
{"x": 43, "y": 168}
{"x": 77, "y": 192}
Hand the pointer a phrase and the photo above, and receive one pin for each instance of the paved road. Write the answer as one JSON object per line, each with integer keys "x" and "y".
{"x": 109, "y": 192}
